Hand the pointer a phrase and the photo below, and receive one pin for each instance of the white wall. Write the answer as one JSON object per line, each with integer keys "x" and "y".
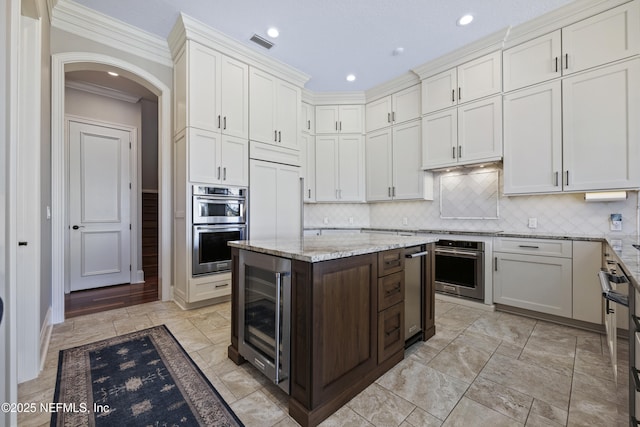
{"x": 563, "y": 214}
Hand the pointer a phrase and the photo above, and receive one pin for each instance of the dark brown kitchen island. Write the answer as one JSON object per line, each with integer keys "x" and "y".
{"x": 346, "y": 314}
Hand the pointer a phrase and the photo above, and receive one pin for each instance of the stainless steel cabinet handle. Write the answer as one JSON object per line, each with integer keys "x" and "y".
{"x": 277, "y": 321}
{"x": 556, "y": 178}
{"x": 417, "y": 254}
{"x": 389, "y": 191}
{"x": 340, "y": 124}
{"x": 566, "y": 61}
{"x": 218, "y": 172}
{"x": 388, "y": 117}
{"x": 279, "y": 136}
{"x": 225, "y": 123}
{"x": 393, "y": 191}
{"x": 459, "y": 151}
{"x": 275, "y": 136}
{"x": 459, "y": 93}
{"x": 495, "y": 263}
{"x": 336, "y": 125}
{"x": 529, "y": 246}
{"x": 22, "y": 243}
{"x": 556, "y": 64}
{"x": 453, "y": 152}
{"x": 309, "y": 193}
{"x": 453, "y": 95}
{"x": 223, "y": 285}
{"x": 309, "y": 124}
{"x": 224, "y": 175}
{"x": 567, "y": 183}
{"x": 218, "y": 121}
{"x": 393, "y": 116}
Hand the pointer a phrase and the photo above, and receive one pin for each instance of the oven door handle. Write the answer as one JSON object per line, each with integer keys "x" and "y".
{"x": 417, "y": 254}
{"x": 463, "y": 254}
{"x": 219, "y": 199}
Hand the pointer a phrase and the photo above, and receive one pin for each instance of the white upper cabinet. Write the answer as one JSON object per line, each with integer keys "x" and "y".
{"x": 471, "y": 133}
{"x": 274, "y": 109}
{"x": 397, "y": 108}
{"x": 217, "y": 159}
{"x": 533, "y": 140}
{"x": 308, "y": 117}
{"x": 578, "y": 134}
{"x": 393, "y": 163}
{"x": 211, "y": 91}
{"x": 340, "y": 168}
{"x": 598, "y": 40}
{"x": 532, "y": 62}
{"x": 470, "y": 81}
{"x": 601, "y": 129}
{"x": 331, "y": 119}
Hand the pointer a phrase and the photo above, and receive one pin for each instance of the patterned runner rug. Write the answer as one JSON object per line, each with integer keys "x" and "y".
{"x": 144, "y": 378}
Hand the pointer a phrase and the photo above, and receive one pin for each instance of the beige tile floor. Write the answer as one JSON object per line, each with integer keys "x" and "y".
{"x": 481, "y": 369}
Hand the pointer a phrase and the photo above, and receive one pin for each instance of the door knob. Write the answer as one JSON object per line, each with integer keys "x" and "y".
{"x": 75, "y": 227}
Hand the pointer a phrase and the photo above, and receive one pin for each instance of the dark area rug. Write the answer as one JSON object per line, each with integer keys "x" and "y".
{"x": 143, "y": 378}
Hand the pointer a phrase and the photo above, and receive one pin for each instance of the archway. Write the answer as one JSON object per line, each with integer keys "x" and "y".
{"x": 86, "y": 60}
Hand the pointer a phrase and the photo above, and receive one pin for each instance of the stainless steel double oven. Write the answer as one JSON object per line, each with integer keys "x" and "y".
{"x": 219, "y": 216}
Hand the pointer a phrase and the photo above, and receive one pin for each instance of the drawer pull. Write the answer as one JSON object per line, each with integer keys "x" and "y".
{"x": 222, "y": 285}
{"x": 529, "y": 246}
{"x": 636, "y": 379}
{"x": 392, "y": 331}
{"x": 392, "y": 291}
{"x": 636, "y": 322}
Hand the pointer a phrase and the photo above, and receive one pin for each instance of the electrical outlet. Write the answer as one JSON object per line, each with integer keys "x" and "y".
{"x": 350, "y": 220}
{"x": 405, "y": 221}
{"x": 326, "y": 220}
{"x": 533, "y": 223}
{"x": 616, "y": 222}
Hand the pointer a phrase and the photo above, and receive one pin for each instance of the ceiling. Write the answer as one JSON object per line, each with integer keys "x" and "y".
{"x": 328, "y": 39}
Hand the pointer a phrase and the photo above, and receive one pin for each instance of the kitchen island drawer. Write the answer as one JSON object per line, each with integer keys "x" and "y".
{"x": 390, "y": 290}
{"x": 544, "y": 247}
{"x": 391, "y": 261}
{"x": 390, "y": 332}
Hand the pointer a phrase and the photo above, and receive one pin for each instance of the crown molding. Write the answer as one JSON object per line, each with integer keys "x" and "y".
{"x": 87, "y": 23}
{"x": 336, "y": 98}
{"x": 101, "y": 90}
{"x": 188, "y": 28}
{"x": 566, "y": 15}
{"x": 473, "y": 50}
{"x": 401, "y": 82}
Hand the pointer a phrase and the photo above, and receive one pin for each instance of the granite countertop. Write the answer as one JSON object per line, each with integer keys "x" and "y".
{"x": 629, "y": 255}
{"x": 328, "y": 247}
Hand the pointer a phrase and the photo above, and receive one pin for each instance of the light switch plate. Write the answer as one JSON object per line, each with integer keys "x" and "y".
{"x": 533, "y": 223}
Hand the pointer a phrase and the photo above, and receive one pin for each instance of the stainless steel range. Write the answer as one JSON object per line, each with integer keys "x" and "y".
{"x": 460, "y": 268}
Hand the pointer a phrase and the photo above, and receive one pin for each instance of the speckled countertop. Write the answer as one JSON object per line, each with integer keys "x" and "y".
{"x": 628, "y": 255}
{"x": 327, "y": 247}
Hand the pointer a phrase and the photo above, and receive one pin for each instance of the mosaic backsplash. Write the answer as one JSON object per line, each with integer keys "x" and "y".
{"x": 556, "y": 214}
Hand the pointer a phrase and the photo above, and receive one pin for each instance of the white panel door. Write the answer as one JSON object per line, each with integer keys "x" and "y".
{"x": 326, "y": 119}
{"x": 350, "y": 118}
{"x": 378, "y": 114}
{"x": 378, "y": 165}
{"x": 406, "y": 105}
{"x": 480, "y": 130}
{"x": 351, "y": 169}
{"x": 288, "y": 115}
{"x": 532, "y": 62}
{"x": 440, "y": 139}
{"x": 289, "y": 205}
{"x": 480, "y": 77}
{"x": 261, "y": 107}
{"x": 99, "y": 195}
{"x": 204, "y": 156}
{"x": 439, "y": 91}
{"x": 234, "y": 153}
{"x": 408, "y": 182}
{"x": 235, "y": 98}
{"x": 204, "y": 87}
{"x": 326, "y": 168}
{"x": 533, "y": 140}
{"x": 263, "y": 199}
{"x": 601, "y": 129}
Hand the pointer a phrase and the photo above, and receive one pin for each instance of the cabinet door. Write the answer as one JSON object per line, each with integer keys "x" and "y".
{"x": 379, "y": 165}
{"x": 532, "y": 62}
{"x": 351, "y": 169}
{"x": 289, "y": 205}
{"x": 533, "y": 140}
{"x": 235, "y": 98}
{"x": 308, "y": 143}
{"x": 439, "y": 91}
{"x": 326, "y": 168}
{"x": 440, "y": 139}
{"x": 204, "y": 156}
{"x": 536, "y": 283}
{"x": 378, "y": 114}
{"x": 587, "y": 292}
{"x": 288, "y": 115}
{"x": 263, "y": 199}
{"x": 308, "y": 118}
{"x": 180, "y": 91}
{"x": 235, "y": 160}
{"x": 480, "y": 77}
{"x": 408, "y": 182}
{"x": 601, "y": 129}
{"x": 480, "y": 130}
{"x": 406, "y": 105}
{"x": 350, "y": 118}
{"x": 261, "y": 107}
{"x": 326, "y": 119}
{"x": 203, "y": 94}
{"x": 390, "y": 332}
{"x": 606, "y": 37}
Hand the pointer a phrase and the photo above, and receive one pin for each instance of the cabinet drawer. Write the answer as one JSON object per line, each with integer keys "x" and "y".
{"x": 560, "y": 248}
{"x": 390, "y": 262}
{"x": 390, "y": 290}
{"x": 390, "y": 332}
{"x": 201, "y": 291}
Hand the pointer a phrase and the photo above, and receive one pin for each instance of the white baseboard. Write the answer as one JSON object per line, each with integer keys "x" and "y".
{"x": 138, "y": 277}
{"x": 467, "y": 303}
{"x": 45, "y": 337}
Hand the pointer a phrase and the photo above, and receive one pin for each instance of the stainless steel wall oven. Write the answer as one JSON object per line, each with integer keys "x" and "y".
{"x": 460, "y": 268}
{"x": 264, "y": 332}
{"x": 219, "y": 216}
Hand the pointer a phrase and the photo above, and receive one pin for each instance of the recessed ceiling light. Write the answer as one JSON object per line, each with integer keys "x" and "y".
{"x": 273, "y": 32}
{"x": 465, "y": 20}
{"x": 398, "y": 51}
{"x": 351, "y": 78}
{"x": 112, "y": 73}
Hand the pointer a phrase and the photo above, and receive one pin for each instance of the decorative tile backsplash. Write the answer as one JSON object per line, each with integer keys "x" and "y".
{"x": 565, "y": 214}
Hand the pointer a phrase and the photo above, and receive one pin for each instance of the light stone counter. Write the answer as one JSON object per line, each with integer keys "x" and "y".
{"x": 327, "y": 247}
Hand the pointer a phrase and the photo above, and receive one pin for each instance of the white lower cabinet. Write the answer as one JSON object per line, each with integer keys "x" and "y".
{"x": 274, "y": 200}
{"x": 587, "y": 292}
{"x": 532, "y": 277}
{"x": 308, "y": 151}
